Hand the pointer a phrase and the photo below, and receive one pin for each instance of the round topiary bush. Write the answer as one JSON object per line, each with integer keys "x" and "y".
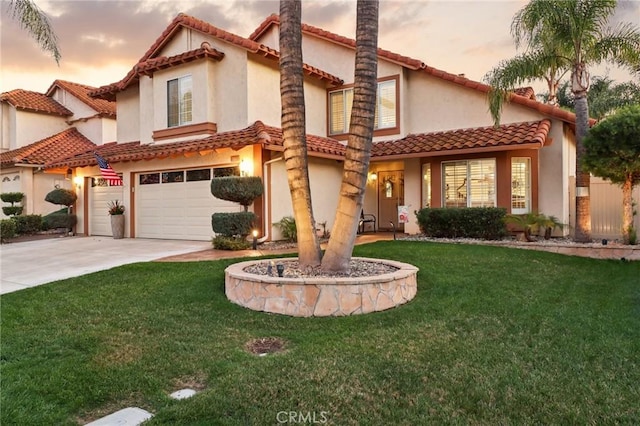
{"x": 239, "y": 189}
{"x": 61, "y": 196}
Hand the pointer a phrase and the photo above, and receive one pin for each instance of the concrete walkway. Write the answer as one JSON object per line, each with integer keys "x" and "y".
{"x": 31, "y": 263}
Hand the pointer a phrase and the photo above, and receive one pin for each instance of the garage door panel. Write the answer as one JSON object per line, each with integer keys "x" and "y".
{"x": 99, "y": 198}
{"x": 178, "y": 210}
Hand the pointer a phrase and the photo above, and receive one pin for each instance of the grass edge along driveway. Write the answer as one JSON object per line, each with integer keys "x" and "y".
{"x": 495, "y": 335}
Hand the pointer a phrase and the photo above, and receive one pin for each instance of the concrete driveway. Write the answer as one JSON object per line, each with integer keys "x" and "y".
{"x": 31, "y": 263}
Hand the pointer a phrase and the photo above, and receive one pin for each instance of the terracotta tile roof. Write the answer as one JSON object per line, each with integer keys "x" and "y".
{"x": 417, "y": 65}
{"x": 508, "y": 136}
{"x": 183, "y": 20}
{"x": 103, "y": 107}
{"x": 257, "y": 133}
{"x": 526, "y": 92}
{"x": 53, "y": 148}
{"x": 335, "y": 38}
{"x": 33, "y": 101}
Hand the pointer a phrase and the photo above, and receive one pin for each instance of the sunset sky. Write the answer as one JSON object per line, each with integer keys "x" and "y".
{"x": 101, "y": 40}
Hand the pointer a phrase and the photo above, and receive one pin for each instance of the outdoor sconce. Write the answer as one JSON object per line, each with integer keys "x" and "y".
{"x": 77, "y": 180}
{"x": 246, "y": 168}
{"x": 373, "y": 176}
{"x": 255, "y": 239}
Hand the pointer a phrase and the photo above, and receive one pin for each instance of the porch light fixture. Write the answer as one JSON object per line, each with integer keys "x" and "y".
{"x": 77, "y": 180}
{"x": 245, "y": 168}
{"x": 373, "y": 176}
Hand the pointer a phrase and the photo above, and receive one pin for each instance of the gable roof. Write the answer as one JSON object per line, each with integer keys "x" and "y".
{"x": 35, "y": 102}
{"x": 104, "y": 107}
{"x": 464, "y": 141}
{"x": 186, "y": 21}
{"x": 53, "y": 148}
{"x": 518, "y": 97}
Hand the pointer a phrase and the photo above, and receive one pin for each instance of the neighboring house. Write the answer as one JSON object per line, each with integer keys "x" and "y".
{"x": 39, "y": 128}
{"x": 203, "y": 102}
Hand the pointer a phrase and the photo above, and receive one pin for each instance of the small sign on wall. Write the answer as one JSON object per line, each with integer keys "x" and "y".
{"x": 403, "y": 214}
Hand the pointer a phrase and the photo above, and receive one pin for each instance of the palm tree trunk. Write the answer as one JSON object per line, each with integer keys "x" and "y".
{"x": 583, "y": 178}
{"x": 627, "y": 209}
{"x": 294, "y": 132}
{"x": 358, "y": 152}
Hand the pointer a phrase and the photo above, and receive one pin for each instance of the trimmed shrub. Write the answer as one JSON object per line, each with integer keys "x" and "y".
{"x": 475, "y": 222}
{"x": 287, "y": 227}
{"x": 12, "y": 210}
{"x": 7, "y": 229}
{"x": 61, "y": 196}
{"x": 221, "y": 242}
{"x": 28, "y": 224}
{"x": 239, "y": 189}
{"x": 233, "y": 224}
{"x": 59, "y": 219}
{"x": 11, "y": 197}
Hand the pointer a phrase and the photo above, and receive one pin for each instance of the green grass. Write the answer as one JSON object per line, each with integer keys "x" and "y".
{"x": 494, "y": 336}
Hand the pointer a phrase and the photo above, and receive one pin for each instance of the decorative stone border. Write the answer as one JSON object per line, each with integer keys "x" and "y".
{"x": 321, "y": 296}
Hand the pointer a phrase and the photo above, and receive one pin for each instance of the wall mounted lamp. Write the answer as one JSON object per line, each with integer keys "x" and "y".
{"x": 77, "y": 180}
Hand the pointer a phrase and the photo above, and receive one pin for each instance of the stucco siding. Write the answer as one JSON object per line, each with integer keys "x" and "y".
{"x": 436, "y": 105}
{"x": 263, "y": 100}
{"x": 325, "y": 177}
{"x": 31, "y": 127}
{"x": 130, "y": 116}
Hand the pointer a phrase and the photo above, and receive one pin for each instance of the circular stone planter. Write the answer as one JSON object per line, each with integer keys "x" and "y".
{"x": 321, "y": 296}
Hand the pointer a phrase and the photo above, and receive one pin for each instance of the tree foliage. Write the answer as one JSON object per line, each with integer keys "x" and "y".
{"x": 613, "y": 147}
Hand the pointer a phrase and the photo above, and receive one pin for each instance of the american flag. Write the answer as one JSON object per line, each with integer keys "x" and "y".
{"x": 107, "y": 172}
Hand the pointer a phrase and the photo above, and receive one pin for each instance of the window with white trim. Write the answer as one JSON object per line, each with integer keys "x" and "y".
{"x": 520, "y": 185}
{"x": 340, "y": 102}
{"x": 179, "y": 101}
{"x": 469, "y": 183}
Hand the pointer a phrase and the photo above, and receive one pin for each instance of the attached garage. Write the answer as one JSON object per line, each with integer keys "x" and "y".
{"x": 177, "y": 204}
{"x": 100, "y": 194}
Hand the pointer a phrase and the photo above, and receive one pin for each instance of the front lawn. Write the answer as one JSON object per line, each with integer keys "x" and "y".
{"x": 494, "y": 336}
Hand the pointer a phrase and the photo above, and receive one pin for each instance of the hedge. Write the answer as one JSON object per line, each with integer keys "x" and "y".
{"x": 233, "y": 224}
{"x": 59, "y": 219}
{"x": 239, "y": 189}
{"x": 60, "y": 196}
{"x": 7, "y": 229}
{"x": 28, "y": 224}
{"x": 486, "y": 223}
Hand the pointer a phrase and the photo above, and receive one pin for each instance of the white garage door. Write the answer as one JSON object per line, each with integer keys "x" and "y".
{"x": 178, "y": 204}
{"x": 100, "y": 194}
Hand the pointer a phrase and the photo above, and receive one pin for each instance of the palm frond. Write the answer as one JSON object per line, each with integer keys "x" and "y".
{"x": 34, "y": 21}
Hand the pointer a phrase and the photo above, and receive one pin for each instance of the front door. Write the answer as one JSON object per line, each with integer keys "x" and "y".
{"x": 390, "y": 196}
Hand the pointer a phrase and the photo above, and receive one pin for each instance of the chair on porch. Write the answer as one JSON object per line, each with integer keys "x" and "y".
{"x": 366, "y": 218}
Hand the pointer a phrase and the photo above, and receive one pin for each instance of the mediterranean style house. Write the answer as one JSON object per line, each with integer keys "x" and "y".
{"x": 203, "y": 102}
{"x": 38, "y": 128}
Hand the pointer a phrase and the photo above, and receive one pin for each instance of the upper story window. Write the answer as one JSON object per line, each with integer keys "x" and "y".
{"x": 179, "y": 101}
{"x": 340, "y": 102}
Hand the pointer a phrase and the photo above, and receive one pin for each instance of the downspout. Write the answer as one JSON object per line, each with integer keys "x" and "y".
{"x": 267, "y": 198}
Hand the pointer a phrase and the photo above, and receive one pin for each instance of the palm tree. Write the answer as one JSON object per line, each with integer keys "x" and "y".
{"x": 604, "y": 97}
{"x": 294, "y": 131}
{"x": 358, "y": 152}
{"x": 32, "y": 19}
{"x": 581, "y": 37}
